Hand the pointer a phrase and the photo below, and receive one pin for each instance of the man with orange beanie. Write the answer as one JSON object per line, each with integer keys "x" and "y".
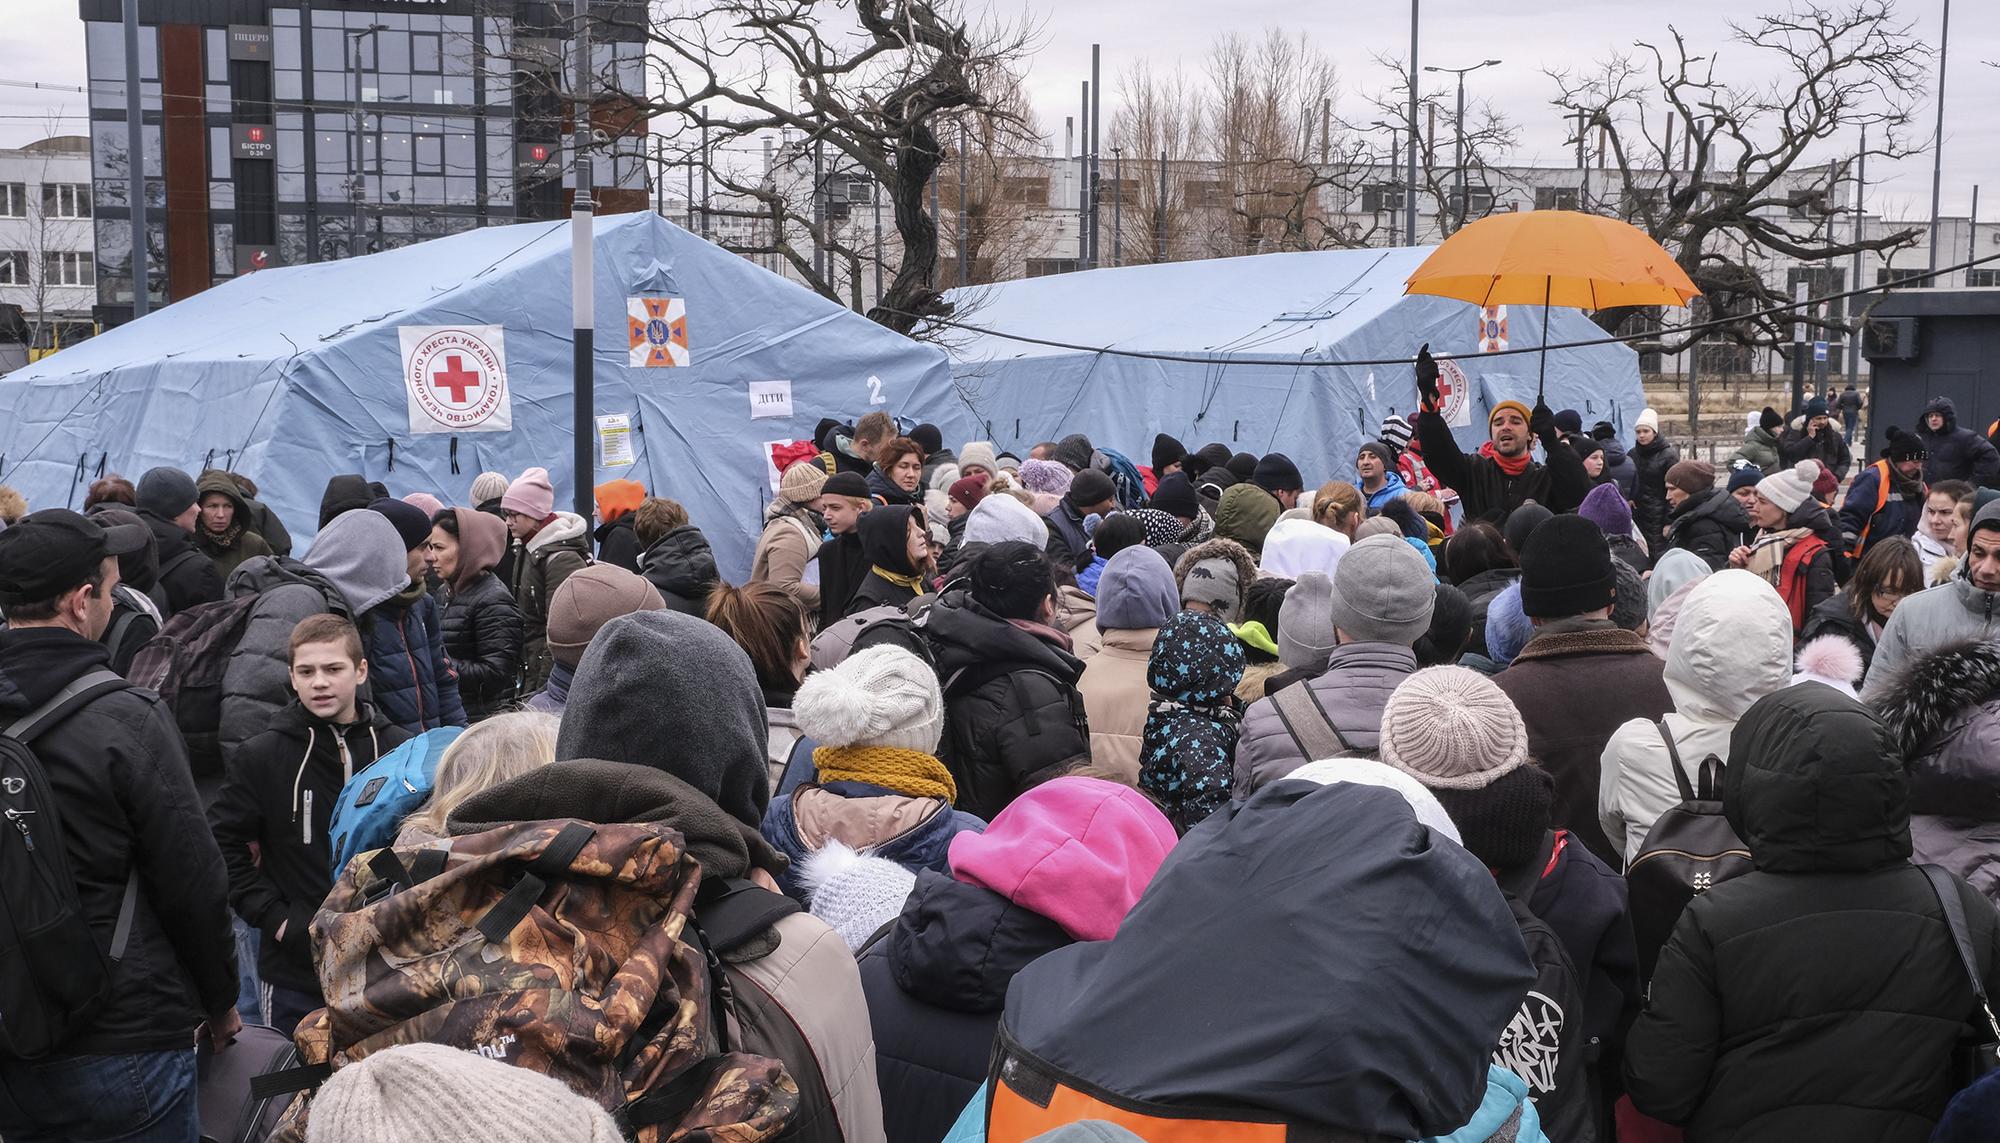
{"x": 1503, "y": 473}
{"x": 616, "y": 542}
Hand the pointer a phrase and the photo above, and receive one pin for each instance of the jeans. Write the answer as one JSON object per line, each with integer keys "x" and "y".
{"x": 1849, "y": 419}
{"x": 249, "y": 1004}
{"x": 148, "y": 1097}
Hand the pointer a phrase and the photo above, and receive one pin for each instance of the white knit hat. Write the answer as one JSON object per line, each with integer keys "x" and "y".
{"x": 998, "y": 519}
{"x": 1452, "y": 729}
{"x": 1647, "y": 419}
{"x": 488, "y": 486}
{"x": 980, "y": 454}
{"x": 444, "y": 1095}
{"x": 1790, "y": 488}
{"x": 883, "y": 696}
{"x": 853, "y": 893}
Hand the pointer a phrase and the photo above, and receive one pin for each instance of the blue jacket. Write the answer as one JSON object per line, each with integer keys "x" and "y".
{"x": 857, "y": 813}
{"x": 1898, "y": 516}
{"x": 1392, "y": 487}
{"x": 409, "y": 674}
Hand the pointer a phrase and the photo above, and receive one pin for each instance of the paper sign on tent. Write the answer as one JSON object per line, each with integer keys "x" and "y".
{"x": 455, "y": 377}
{"x": 658, "y": 332}
{"x": 770, "y": 399}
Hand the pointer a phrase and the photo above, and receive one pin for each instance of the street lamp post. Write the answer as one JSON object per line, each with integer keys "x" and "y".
{"x": 1395, "y": 154}
{"x": 1458, "y": 163}
{"x": 1937, "y": 144}
{"x": 357, "y": 183}
{"x": 1410, "y": 197}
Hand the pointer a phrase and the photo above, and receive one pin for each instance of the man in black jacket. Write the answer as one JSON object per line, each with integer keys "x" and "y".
{"x": 1815, "y": 438}
{"x": 272, "y": 816}
{"x": 130, "y": 822}
{"x": 1510, "y": 476}
{"x": 168, "y": 505}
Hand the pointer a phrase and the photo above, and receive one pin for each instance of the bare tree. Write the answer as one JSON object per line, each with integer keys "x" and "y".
{"x": 1719, "y": 172}
{"x": 1487, "y": 134}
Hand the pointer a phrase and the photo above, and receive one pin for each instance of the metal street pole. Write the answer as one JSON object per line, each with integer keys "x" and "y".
{"x": 358, "y": 185}
{"x": 1410, "y": 199}
{"x": 1458, "y": 163}
{"x": 875, "y": 194}
{"x": 964, "y": 173}
{"x": 1160, "y": 227}
{"x": 135, "y": 157}
{"x": 1083, "y": 183}
{"x": 1096, "y": 173}
{"x": 583, "y": 318}
{"x": 1118, "y": 202}
{"x": 1937, "y": 145}
{"x": 819, "y": 209}
{"x": 1972, "y": 232}
{"x": 1860, "y": 191}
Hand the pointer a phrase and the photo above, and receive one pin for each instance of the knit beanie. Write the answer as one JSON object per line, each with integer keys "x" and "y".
{"x": 1136, "y": 591}
{"x": 1504, "y": 822}
{"x": 1382, "y": 452}
{"x": 443, "y": 1094}
{"x": 1395, "y": 432}
{"x": 1452, "y": 728}
{"x": 1648, "y": 419}
{"x": 429, "y": 505}
{"x": 1522, "y": 522}
{"x": 1074, "y": 451}
{"x": 1508, "y": 406}
{"x": 1905, "y": 446}
{"x": 1007, "y": 461}
{"x": 1605, "y": 507}
{"x": 1217, "y": 583}
{"x": 1569, "y": 422}
{"x": 1816, "y": 408}
{"x": 1825, "y": 485}
{"x": 1744, "y": 475}
{"x": 1628, "y": 607}
{"x": 853, "y": 893}
{"x": 616, "y": 498}
{"x": 1090, "y": 488}
{"x": 1507, "y": 626}
{"x": 165, "y": 492}
{"x": 978, "y": 454}
{"x": 1603, "y": 431}
{"x": 531, "y": 495}
{"x": 1175, "y": 496}
{"x": 1769, "y": 419}
{"x": 1206, "y": 457}
{"x": 847, "y": 484}
{"x": 881, "y": 696}
{"x": 1276, "y": 473}
{"x": 803, "y": 482}
{"x": 928, "y": 438}
{"x": 411, "y": 524}
{"x": 1242, "y": 466}
{"x": 1692, "y": 476}
{"x": 1046, "y": 476}
{"x": 488, "y": 486}
{"x": 1166, "y": 451}
{"x": 1565, "y": 569}
{"x": 1585, "y": 447}
{"x": 1377, "y": 526}
{"x": 590, "y": 598}
{"x": 968, "y": 491}
{"x": 1305, "y": 623}
{"x": 1382, "y": 592}
{"x": 1790, "y": 488}
{"x": 998, "y": 519}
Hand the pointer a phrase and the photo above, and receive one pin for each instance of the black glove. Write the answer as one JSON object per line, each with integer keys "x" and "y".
{"x": 1427, "y": 379}
{"x": 1542, "y": 420}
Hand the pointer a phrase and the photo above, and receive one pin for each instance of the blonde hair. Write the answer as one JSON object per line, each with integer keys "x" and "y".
{"x": 1007, "y": 483}
{"x": 1335, "y": 500}
{"x": 502, "y": 747}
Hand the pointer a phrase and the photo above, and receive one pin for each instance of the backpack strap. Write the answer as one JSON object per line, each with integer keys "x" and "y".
{"x": 1307, "y": 722}
{"x": 556, "y": 857}
{"x": 1946, "y": 888}
{"x": 179, "y": 562}
{"x": 1674, "y": 756}
{"x": 734, "y": 910}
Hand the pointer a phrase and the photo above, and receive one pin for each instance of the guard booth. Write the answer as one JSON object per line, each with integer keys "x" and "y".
{"x": 1922, "y": 344}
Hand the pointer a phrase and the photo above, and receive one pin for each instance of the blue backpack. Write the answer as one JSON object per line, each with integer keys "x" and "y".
{"x": 374, "y": 802}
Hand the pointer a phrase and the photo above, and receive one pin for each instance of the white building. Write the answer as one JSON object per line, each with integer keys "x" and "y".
{"x": 48, "y": 273}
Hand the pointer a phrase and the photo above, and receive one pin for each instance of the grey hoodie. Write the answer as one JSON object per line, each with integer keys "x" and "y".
{"x": 1930, "y": 621}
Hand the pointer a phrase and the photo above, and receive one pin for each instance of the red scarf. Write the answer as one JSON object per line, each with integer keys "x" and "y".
{"x": 1512, "y": 466}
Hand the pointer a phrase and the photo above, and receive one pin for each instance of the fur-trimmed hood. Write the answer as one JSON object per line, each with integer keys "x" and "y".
{"x": 1219, "y": 549}
{"x": 1935, "y": 693}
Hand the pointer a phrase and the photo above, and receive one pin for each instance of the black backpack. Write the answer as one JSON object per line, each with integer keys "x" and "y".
{"x": 1544, "y": 1042}
{"x": 1691, "y": 848}
{"x": 52, "y": 975}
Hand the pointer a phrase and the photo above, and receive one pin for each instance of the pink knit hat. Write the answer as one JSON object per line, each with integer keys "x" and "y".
{"x": 531, "y": 495}
{"x": 1079, "y": 851}
{"x": 430, "y": 504}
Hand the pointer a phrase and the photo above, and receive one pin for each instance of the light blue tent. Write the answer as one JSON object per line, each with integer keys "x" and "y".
{"x": 1310, "y": 311}
{"x": 292, "y": 375}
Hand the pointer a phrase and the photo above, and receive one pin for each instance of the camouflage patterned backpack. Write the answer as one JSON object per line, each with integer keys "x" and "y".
{"x": 554, "y": 945}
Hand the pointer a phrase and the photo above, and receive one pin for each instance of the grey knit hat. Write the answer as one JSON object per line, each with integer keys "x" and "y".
{"x": 165, "y": 492}
{"x": 488, "y": 486}
{"x": 855, "y": 894}
{"x": 1383, "y": 592}
{"x": 1787, "y": 489}
{"x": 1452, "y": 728}
{"x": 447, "y": 1095}
{"x": 1305, "y": 623}
{"x": 1215, "y": 582}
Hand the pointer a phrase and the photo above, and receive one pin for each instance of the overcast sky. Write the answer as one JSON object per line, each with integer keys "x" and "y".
{"x": 44, "y": 42}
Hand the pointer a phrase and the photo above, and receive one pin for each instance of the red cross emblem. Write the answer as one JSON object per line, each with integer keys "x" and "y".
{"x": 456, "y": 379}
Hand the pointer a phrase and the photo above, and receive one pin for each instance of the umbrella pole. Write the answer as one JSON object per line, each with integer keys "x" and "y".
{"x": 1541, "y": 381}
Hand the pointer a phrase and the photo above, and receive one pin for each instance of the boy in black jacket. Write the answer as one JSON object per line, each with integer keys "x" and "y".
{"x": 277, "y": 799}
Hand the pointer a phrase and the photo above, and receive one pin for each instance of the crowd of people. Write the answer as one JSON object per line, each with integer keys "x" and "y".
{"x": 1562, "y": 789}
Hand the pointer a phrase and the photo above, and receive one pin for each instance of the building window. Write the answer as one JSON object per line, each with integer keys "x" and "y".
{"x": 1983, "y": 278}
{"x": 13, "y": 267}
{"x": 66, "y": 268}
{"x": 1027, "y": 190}
{"x": 1381, "y": 197}
{"x": 13, "y": 200}
{"x": 1890, "y": 275}
{"x": 1478, "y": 202}
{"x": 65, "y": 200}
{"x": 1205, "y": 195}
{"x": 1556, "y": 198}
{"x": 1043, "y": 267}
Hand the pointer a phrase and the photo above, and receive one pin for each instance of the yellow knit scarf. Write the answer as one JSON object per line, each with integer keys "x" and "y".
{"x": 911, "y": 772}
{"x": 906, "y": 582}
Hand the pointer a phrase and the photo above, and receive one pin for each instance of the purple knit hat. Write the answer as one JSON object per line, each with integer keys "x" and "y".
{"x": 1048, "y": 476}
{"x": 1606, "y": 508}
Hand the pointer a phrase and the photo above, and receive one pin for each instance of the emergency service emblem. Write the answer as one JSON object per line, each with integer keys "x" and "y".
{"x": 1493, "y": 329}
{"x": 659, "y": 332}
{"x": 456, "y": 378}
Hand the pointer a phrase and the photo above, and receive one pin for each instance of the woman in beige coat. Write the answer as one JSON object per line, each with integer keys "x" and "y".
{"x": 1136, "y": 596}
{"x": 792, "y": 535}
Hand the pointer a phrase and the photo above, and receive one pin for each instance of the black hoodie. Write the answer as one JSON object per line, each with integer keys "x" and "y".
{"x": 344, "y": 493}
{"x": 278, "y": 796}
{"x": 682, "y": 566}
{"x": 885, "y": 545}
{"x": 187, "y": 577}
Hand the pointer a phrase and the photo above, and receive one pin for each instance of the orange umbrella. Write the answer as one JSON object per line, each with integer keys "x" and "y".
{"x": 1553, "y": 258}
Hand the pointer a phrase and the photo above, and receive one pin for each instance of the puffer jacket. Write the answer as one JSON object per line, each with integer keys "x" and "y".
{"x": 1829, "y": 449}
{"x": 1835, "y": 619}
{"x": 791, "y": 538}
{"x": 1069, "y": 544}
{"x": 1115, "y": 699}
{"x": 1759, "y": 447}
{"x": 915, "y": 833}
{"x": 229, "y": 550}
{"x": 1950, "y": 613}
{"x": 1353, "y": 689}
{"x": 266, "y": 523}
{"x": 1953, "y": 453}
{"x": 1013, "y": 718}
{"x": 682, "y": 566}
{"x": 1710, "y": 524}
{"x": 936, "y": 981}
{"x": 1649, "y": 490}
{"x": 1944, "y": 710}
{"x": 482, "y": 636}
{"x": 1819, "y": 996}
{"x": 1732, "y": 645}
{"x": 409, "y": 674}
{"x": 558, "y": 551}
{"x": 187, "y": 577}
{"x": 618, "y": 544}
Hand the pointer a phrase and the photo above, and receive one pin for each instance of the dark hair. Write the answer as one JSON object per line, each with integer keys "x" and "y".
{"x": 767, "y": 622}
{"x": 655, "y": 517}
{"x": 326, "y": 627}
{"x": 112, "y": 489}
{"x": 876, "y": 426}
{"x": 1265, "y": 598}
{"x": 1891, "y": 562}
{"x": 21, "y": 609}
{"x": 895, "y": 449}
{"x": 1956, "y": 489}
{"x": 1011, "y": 579}
{"x": 1119, "y": 531}
{"x": 1451, "y": 628}
{"x": 1406, "y": 518}
{"x": 1476, "y": 547}
{"x": 447, "y": 521}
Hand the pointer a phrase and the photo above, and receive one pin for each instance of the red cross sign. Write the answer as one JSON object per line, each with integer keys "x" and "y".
{"x": 456, "y": 379}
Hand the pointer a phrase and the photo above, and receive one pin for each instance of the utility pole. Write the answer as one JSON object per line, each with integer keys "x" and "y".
{"x": 358, "y": 187}
{"x": 1582, "y": 163}
{"x": 1096, "y": 173}
{"x": 1118, "y": 204}
{"x": 819, "y": 208}
{"x": 964, "y": 172}
{"x": 1972, "y": 233}
{"x": 1160, "y": 226}
{"x": 135, "y": 158}
{"x": 583, "y": 317}
{"x": 1325, "y": 130}
{"x": 1083, "y": 182}
{"x": 1410, "y": 199}
{"x": 1937, "y": 144}
{"x": 1458, "y": 163}
{"x": 875, "y": 193}
{"x": 1860, "y": 191}
{"x": 705, "y": 159}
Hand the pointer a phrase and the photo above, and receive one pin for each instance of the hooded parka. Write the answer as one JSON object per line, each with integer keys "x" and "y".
{"x": 1944, "y": 710}
{"x": 482, "y": 623}
{"x": 1953, "y": 453}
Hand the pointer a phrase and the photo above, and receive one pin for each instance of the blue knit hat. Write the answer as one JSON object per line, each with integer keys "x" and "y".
{"x": 1507, "y": 626}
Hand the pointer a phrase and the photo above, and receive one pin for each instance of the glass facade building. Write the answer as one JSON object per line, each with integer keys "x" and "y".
{"x": 280, "y": 132}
